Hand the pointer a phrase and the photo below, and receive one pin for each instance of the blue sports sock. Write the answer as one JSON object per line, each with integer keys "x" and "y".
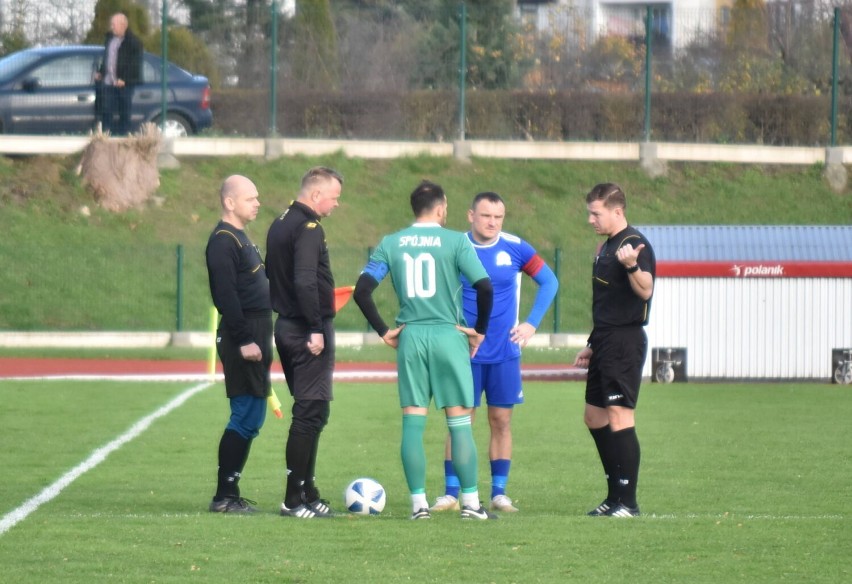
{"x": 499, "y": 476}
{"x": 452, "y": 486}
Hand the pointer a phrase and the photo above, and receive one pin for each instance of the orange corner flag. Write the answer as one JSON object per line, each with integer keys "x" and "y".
{"x": 342, "y": 296}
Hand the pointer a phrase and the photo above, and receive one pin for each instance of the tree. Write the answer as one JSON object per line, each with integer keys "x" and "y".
{"x": 13, "y": 41}
{"x": 492, "y": 44}
{"x": 104, "y": 9}
{"x": 314, "y": 48}
{"x": 186, "y": 50}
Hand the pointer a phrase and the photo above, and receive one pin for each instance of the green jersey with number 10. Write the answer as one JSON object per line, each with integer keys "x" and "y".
{"x": 425, "y": 261}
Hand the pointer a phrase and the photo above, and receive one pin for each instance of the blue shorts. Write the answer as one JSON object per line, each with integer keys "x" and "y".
{"x": 247, "y": 415}
{"x": 501, "y": 383}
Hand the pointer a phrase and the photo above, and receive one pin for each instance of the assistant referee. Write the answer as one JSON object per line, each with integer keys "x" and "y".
{"x": 622, "y": 287}
{"x": 302, "y": 293}
{"x": 240, "y": 293}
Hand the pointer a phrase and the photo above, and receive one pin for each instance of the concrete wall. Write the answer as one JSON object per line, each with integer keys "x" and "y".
{"x": 626, "y": 151}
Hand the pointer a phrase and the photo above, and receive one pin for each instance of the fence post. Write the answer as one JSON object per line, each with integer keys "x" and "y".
{"x": 273, "y": 71}
{"x": 557, "y": 268}
{"x": 462, "y": 65}
{"x": 179, "y": 289}
{"x": 834, "y": 58}
{"x": 164, "y": 49}
{"x": 649, "y": 17}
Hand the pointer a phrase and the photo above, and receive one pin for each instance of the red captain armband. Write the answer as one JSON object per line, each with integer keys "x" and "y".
{"x": 533, "y": 267}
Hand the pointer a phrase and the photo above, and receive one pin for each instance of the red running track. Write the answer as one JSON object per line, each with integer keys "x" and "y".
{"x": 43, "y": 367}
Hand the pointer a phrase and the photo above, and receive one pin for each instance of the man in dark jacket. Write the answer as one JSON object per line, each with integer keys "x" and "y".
{"x": 240, "y": 292}
{"x": 120, "y": 71}
{"x": 301, "y": 288}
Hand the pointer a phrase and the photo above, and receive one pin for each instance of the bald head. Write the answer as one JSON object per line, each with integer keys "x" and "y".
{"x": 118, "y": 24}
{"x": 239, "y": 200}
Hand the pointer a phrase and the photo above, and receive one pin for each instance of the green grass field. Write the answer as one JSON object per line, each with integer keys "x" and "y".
{"x": 739, "y": 483}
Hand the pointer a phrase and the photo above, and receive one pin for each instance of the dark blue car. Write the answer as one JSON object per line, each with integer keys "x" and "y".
{"x": 51, "y": 90}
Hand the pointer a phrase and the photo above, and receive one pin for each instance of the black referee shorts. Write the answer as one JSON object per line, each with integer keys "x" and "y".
{"x": 308, "y": 376}
{"x": 247, "y": 377}
{"x": 615, "y": 369}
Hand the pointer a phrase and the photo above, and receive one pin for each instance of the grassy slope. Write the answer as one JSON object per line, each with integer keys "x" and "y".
{"x": 65, "y": 270}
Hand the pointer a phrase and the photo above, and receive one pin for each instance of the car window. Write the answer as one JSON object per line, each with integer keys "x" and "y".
{"x": 150, "y": 73}
{"x": 66, "y": 71}
{"x": 10, "y": 66}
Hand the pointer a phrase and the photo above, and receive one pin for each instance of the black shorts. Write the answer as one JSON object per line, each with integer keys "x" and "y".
{"x": 247, "y": 377}
{"x": 308, "y": 376}
{"x": 615, "y": 369}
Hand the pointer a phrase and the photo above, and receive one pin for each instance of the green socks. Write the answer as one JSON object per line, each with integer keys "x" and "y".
{"x": 464, "y": 452}
{"x": 413, "y": 453}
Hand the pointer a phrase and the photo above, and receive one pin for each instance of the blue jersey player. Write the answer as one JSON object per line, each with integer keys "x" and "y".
{"x": 497, "y": 364}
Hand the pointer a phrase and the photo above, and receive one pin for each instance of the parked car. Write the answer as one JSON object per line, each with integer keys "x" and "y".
{"x": 51, "y": 90}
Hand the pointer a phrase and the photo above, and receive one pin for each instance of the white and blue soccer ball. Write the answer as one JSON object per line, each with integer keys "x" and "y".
{"x": 364, "y": 496}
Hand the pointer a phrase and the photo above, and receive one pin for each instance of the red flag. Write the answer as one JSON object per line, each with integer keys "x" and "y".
{"x": 342, "y": 296}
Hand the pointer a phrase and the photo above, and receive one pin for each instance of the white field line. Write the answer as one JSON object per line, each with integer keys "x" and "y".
{"x": 50, "y": 492}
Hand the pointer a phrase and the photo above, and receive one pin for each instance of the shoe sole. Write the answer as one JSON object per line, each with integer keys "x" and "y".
{"x": 455, "y": 507}
{"x": 622, "y": 512}
{"x": 303, "y": 514}
{"x": 505, "y": 509}
{"x": 484, "y": 516}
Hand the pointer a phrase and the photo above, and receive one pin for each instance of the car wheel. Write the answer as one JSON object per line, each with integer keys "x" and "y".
{"x": 176, "y": 126}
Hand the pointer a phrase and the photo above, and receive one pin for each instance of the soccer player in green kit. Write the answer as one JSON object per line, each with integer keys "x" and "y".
{"x": 433, "y": 342}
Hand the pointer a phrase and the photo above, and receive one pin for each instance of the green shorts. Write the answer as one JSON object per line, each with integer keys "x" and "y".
{"x": 434, "y": 361}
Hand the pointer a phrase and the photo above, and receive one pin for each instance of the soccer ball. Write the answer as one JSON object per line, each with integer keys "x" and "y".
{"x": 364, "y": 497}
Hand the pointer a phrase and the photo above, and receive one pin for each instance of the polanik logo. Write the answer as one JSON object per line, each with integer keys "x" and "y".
{"x": 757, "y": 271}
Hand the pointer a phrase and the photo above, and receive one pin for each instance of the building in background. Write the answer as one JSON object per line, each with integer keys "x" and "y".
{"x": 675, "y": 23}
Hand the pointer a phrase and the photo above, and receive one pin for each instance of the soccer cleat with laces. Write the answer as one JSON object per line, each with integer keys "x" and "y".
{"x": 468, "y": 512}
{"x": 445, "y": 503}
{"x": 503, "y": 503}
{"x": 622, "y": 510}
{"x": 422, "y": 513}
{"x": 232, "y": 505}
{"x": 601, "y": 510}
{"x": 303, "y": 511}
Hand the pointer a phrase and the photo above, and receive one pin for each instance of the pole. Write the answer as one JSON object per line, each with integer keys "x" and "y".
{"x": 273, "y": 72}
{"x": 649, "y": 19}
{"x": 462, "y": 65}
{"x": 211, "y": 350}
{"x": 557, "y": 267}
{"x": 179, "y": 291}
{"x": 164, "y": 49}
{"x": 834, "y": 66}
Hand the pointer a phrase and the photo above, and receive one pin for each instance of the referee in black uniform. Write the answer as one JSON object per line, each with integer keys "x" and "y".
{"x": 302, "y": 293}
{"x": 240, "y": 293}
{"x": 622, "y": 286}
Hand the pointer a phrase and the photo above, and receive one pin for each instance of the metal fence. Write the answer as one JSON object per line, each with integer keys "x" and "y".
{"x": 107, "y": 285}
{"x": 774, "y": 73}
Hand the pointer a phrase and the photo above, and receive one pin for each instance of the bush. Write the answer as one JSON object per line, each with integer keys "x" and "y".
{"x": 533, "y": 115}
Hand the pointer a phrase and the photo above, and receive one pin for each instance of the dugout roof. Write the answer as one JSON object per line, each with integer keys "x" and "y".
{"x": 750, "y": 243}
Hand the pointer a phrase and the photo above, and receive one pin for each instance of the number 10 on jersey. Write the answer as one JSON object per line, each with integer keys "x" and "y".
{"x": 419, "y": 275}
